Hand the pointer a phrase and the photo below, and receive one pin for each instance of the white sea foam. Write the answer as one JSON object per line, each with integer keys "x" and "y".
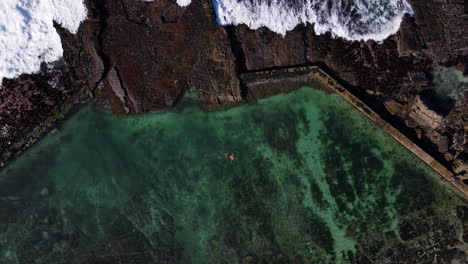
{"x": 349, "y": 19}
{"x": 184, "y": 2}
{"x": 27, "y": 34}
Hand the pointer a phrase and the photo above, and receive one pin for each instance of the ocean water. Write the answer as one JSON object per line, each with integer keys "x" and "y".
{"x": 312, "y": 182}
{"x": 349, "y": 19}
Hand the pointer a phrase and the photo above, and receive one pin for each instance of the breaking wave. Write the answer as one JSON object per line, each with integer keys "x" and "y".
{"x": 28, "y": 36}
{"x": 184, "y": 2}
{"x": 349, "y": 19}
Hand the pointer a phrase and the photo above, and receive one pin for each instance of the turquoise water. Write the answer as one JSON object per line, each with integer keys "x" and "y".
{"x": 312, "y": 182}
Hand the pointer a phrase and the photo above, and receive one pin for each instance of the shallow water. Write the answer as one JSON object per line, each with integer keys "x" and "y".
{"x": 312, "y": 182}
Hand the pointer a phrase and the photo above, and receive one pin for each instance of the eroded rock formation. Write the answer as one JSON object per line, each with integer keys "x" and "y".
{"x": 156, "y": 50}
{"x": 424, "y": 115}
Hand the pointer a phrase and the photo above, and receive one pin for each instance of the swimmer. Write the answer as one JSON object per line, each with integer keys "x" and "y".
{"x": 229, "y": 156}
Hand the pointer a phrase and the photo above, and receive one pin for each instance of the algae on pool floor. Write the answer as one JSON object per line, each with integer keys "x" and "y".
{"x": 312, "y": 182}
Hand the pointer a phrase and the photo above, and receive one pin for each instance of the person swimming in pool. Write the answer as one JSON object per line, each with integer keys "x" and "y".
{"x": 229, "y": 156}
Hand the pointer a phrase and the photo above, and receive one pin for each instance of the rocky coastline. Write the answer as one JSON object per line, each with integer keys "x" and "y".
{"x": 135, "y": 56}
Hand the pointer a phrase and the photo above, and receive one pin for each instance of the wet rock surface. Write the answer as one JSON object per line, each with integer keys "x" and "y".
{"x": 263, "y": 49}
{"x": 441, "y": 26}
{"x": 177, "y": 47}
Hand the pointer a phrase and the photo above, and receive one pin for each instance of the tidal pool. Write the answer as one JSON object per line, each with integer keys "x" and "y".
{"x": 312, "y": 181}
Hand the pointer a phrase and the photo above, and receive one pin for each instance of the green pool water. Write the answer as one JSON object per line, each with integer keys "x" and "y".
{"x": 312, "y": 182}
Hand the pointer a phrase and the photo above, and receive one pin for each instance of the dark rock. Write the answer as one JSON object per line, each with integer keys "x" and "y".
{"x": 425, "y": 240}
{"x": 373, "y": 66}
{"x": 409, "y": 230}
{"x": 408, "y": 38}
{"x": 453, "y": 255}
{"x": 263, "y": 48}
{"x": 424, "y": 114}
{"x": 176, "y": 47}
{"x": 462, "y": 66}
{"x": 443, "y": 144}
{"x": 31, "y": 103}
{"x": 456, "y": 125}
{"x": 418, "y": 78}
{"x": 441, "y": 25}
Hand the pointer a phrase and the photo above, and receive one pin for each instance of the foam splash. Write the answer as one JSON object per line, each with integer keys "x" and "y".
{"x": 184, "y": 2}
{"x": 27, "y": 34}
{"x": 352, "y": 20}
